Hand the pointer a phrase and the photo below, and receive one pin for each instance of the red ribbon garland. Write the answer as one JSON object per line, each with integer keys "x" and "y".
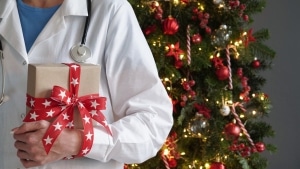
{"x": 60, "y": 106}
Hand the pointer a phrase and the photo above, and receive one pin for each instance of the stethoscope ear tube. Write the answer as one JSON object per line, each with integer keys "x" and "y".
{"x": 87, "y": 22}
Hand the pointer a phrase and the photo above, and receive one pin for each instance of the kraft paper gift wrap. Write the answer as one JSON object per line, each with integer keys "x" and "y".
{"x": 42, "y": 78}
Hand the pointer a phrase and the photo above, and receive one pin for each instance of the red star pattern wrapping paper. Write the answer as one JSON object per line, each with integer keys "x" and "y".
{"x": 68, "y": 96}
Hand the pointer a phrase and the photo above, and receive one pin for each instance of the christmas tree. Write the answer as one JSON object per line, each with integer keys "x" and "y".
{"x": 209, "y": 59}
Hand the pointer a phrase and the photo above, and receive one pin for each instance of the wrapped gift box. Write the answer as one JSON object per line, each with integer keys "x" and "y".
{"x": 42, "y": 78}
{"x": 52, "y": 95}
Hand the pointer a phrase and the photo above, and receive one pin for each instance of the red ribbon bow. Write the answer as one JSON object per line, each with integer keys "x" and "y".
{"x": 60, "y": 106}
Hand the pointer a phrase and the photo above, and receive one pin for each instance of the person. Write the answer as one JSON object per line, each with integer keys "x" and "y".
{"x": 138, "y": 109}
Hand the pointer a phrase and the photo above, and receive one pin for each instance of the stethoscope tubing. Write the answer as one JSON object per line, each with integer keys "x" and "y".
{"x": 3, "y": 75}
{"x": 87, "y": 22}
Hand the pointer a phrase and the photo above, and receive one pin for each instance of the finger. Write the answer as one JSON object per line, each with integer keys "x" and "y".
{"x": 30, "y": 161}
{"x": 23, "y": 155}
{"x": 13, "y": 130}
{"x": 19, "y": 145}
{"x": 31, "y": 126}
{"x": 27, "y": 163}
{"x": 30, "y": 138}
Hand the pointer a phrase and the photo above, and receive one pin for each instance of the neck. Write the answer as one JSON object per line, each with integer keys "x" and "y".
{"x": 43, "y": 3}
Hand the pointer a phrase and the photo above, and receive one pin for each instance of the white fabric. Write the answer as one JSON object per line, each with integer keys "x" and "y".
{"x": 139, "y": 111}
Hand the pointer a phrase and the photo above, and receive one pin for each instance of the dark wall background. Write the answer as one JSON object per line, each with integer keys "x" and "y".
{"x": 282, "y": 18}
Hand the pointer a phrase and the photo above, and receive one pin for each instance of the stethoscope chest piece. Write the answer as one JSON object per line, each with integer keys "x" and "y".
{"x": 80, "y": 53}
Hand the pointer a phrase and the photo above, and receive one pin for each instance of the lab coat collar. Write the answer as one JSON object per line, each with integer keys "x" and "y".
{"x": 70, "y": 7}
{"x": 74, "y": 7}
{"x": 5, "y": 6}
{"x": 10, "y": 28}
{"x": 10, "y": 23}
{"x": 57, "y": 22}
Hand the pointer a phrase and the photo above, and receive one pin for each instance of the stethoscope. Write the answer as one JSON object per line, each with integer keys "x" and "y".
{"x": 79, "y": 52}
{"x": 3, "y": 97}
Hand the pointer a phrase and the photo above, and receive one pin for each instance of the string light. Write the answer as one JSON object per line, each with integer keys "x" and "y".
{"x": 154, "y": 44}
{"x": 176, "y": 2}
{"x": 166, "y": 152}
{"x": 168, "y": 83}
{"x": 242, "y": 116}
{"x": 237, "y": 43}
{"x": 181, "y": 56}
{"x": 207, "y": 165}
{"x": 167, "y": 48}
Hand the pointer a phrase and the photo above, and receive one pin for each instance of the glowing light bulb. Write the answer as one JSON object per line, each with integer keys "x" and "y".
{"x": 166, "y": 152}
{"x": 176, "y": 2}
{"x": 207, "y": 165}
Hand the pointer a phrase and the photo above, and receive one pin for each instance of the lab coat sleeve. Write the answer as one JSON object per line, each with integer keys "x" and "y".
{"x": 140, "y": 104}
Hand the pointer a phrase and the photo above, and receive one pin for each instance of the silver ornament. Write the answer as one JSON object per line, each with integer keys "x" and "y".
{"x": 197, "y": 126}
{"x": 217, "y": 2}
{"x": 221, "y": 36}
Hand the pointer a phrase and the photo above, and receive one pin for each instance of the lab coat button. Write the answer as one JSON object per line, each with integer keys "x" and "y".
{"x": 24, "y": 63}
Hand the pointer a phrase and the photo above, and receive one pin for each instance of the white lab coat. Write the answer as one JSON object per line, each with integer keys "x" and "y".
{"x": 138, "y": 111}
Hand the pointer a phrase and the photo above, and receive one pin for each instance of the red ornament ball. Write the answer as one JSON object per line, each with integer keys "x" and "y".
{"x": 240, "y": 72}
{"x": 184, "y": 97}
{"x": 158, "y": 16}
{"x": 246, "y": 18}
{"x": 222, "y": 73}
{"x": 260, "y": 146}
{"x": 182, "y": 103}
{"x": 172, "y": 162}
{"x": 208, "y": 30}
{"x": 178, "y": 64}
{"x": 170, "y": 26}
{"x": 192, "y": 82}
{"x": 232, "y": 131}
{"x": 196, "y": 38}
{"x": 217, "y": 165}
{"x": 255, "y": 64}
{"x": 192, "y": 94}
{"x": 149, "y": 29}
{"x": 186, "y": 86}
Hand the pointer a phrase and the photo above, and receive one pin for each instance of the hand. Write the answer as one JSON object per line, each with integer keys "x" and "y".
{"x": 30, "y": 147}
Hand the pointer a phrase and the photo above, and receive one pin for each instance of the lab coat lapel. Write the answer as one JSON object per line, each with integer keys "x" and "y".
{"x": 57, "y": 23}
{"x": 10, "y": 27}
